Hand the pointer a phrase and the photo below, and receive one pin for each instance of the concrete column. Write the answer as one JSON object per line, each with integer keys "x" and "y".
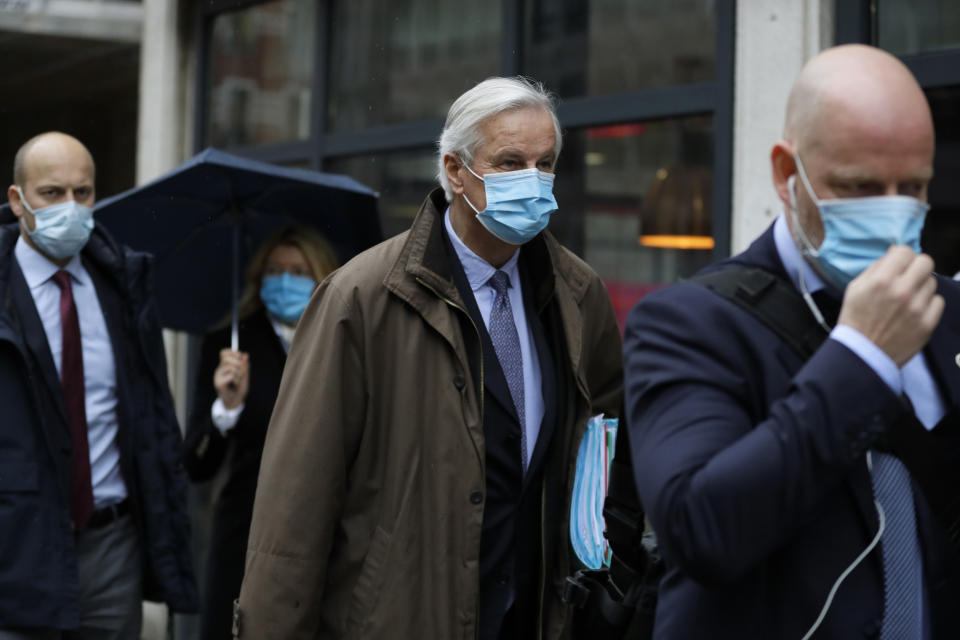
{"x": 160, "y": 125}
{"x": 159, "y": 149}
{"x": 774, "y": 39}
{"x": 161, "y": 135}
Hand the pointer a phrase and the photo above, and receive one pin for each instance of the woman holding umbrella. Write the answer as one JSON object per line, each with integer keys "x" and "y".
{"x": 234, "y": 398}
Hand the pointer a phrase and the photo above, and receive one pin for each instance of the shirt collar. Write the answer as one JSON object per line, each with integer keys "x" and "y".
{"x": 791, "y": 258}
{"x": 37, "y": 268}
{"x": 478, "y": 270}
{"x": 283, "y": 331}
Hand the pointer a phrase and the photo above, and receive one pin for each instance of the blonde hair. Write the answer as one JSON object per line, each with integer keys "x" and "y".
{"x": 320, "y": 257}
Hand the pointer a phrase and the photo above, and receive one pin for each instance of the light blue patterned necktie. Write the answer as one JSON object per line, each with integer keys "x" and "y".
{"x": 506, "y": 342}
{"x": 902, "y": 562}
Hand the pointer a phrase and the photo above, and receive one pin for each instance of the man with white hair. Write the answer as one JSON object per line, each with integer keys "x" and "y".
{"x": 417, "y": 472}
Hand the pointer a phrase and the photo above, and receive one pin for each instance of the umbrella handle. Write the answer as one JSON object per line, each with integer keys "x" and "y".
{"x": 235, "y": 326}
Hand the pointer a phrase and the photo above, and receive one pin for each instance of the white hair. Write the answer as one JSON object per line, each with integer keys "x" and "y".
{"x": 461, "y": 132}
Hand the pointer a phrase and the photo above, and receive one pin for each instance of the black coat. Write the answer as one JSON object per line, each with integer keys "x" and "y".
{"x": 206, "y": 451}
{"x": 38, "y": 565}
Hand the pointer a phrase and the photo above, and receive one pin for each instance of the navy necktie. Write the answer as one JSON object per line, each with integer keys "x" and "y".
{"x": 506, "y": 343}
{"x": 902, "y": 562}
{"x": 72, "y": 381}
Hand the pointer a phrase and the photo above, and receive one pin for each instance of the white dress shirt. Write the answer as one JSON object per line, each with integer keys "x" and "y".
{"x": 478, "y": 272}
{"x": 913, "y": 378}
{"x": 99, "y": 369}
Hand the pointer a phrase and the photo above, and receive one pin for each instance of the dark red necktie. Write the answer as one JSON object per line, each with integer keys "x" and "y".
{"x": 71, "y": 377}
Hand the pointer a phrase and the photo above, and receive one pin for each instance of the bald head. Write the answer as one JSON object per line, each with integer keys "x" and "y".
{"x": 40, "y": 147}
{"x": 860, "y": 125}
{"x": 850, "y": 88}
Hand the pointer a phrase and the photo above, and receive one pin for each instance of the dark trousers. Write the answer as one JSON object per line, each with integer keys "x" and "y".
{"x": 108, "y": 560}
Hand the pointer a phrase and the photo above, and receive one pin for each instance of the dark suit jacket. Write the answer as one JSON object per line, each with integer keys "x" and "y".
{"x": 39, "y": 584}
{"x": 510, "y": 546}
{"x": 206, "y": 451}
{"x": 750, "y": 466}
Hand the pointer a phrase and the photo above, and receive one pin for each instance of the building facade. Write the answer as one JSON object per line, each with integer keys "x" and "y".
{"x": 669, "y": 107}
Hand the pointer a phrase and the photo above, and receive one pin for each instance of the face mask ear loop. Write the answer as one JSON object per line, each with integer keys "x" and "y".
{"x": 806, "y": 182}
{"x": 480, "y": 178}
{"x": 475, "y": 174}
{"x": 23, "y": 201}
{"x": 26, "y": 205}
{"x": 807, "y": 248}
{"x": 814, "y": 309}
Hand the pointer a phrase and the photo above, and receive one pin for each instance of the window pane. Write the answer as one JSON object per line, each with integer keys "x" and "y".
{"x": 407, "y": 59}
{"x": 646, "y": 190}
{"x": 403, "y": 179}
{"x": 599, "y": 47}
{"x": 261, "y": 69}
{"x": 917, "y": 26}
{"x": 941, "y": 233}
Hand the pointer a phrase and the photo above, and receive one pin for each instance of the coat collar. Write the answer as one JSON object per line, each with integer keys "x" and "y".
{"x": 421, "y": 274}
{"x": 123, "y": 268}
{"x": 424, "y": 261}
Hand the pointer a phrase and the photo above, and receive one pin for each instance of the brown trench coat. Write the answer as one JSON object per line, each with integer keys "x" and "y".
{"x": 369, "y": 504}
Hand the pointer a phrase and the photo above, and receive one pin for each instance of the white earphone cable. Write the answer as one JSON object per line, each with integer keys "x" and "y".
{"x": 853, "y": 565}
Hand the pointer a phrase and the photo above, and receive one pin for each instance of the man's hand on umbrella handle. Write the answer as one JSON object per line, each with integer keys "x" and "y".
{"x": 231, "y": 379}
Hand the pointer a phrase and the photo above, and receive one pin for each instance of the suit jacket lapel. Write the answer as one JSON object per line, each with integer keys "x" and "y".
{"x": 493, "y": 378}
{"x": 548, "y": 377}
{"x": 36, "y": 340}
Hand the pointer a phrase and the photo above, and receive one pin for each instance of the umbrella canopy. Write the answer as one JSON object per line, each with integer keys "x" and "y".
{"x": 204, "y": 219}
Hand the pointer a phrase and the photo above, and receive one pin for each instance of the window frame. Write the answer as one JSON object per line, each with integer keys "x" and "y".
{"x": 855, "y": 22}
{"x": 708, "y": 98}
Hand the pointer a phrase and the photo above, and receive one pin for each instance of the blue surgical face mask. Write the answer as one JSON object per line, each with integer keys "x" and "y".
{"x": 857, "y": 231}
{"x": 519, "y": 203}
{"x": 60, "y": 230}
{"x": 286, "y": 296}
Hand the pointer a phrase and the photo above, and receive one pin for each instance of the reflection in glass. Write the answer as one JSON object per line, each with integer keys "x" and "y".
{"x": 941, "y": 233}
{"x": 917, "y": 26}
{"x": 599, "y": 47}
{"x": 407, "y": 59}
{"x": 403, "y": 179}
{"x": 646, "y": 193}
{"x": 261, "y": 69}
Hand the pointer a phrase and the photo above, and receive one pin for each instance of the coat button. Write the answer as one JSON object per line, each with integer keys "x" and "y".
{"x": 476, "y": 497}
{"x": 459, "y": 382}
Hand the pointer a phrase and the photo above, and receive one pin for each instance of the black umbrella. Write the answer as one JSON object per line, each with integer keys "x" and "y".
{"x": 204, "y": 219}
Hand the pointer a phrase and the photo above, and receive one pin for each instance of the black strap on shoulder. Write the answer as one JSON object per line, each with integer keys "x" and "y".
{"x": 776, "y": 303}
{"x": 772, "y": 300}
{"x": 635, "y": 571}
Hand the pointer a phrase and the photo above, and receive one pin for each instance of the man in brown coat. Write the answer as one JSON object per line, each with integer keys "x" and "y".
{"x": 418, "y": 466}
